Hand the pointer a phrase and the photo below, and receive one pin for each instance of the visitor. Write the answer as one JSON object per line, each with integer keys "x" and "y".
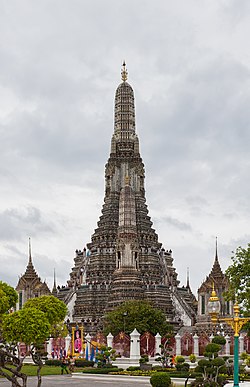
{"x": 71, "y": 364}
{"x": 64, "y": 366}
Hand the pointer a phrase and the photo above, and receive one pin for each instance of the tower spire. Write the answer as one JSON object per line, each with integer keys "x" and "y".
{"x": 124, "y": 107}
{"x": 216, "y": 249}
{"x": 30, "y": 270}
{"x": 30, "y": 258}
{"x": 54, "y": 290}
{"x": 124, "y": 72}
{"x": 188, "y": 286}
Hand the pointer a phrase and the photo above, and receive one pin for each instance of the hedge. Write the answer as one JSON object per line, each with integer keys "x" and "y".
{"x": 133, "y": 368}
{"x": 101, "y": 370}
{"x": 84, "y": 363}
{"x": 53, "y": 362}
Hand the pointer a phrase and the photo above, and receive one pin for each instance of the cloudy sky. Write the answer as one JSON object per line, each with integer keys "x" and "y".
{"x": 189, "y": 66}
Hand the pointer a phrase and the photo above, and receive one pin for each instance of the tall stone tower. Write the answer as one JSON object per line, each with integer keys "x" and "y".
{"x": 125, "y": 261}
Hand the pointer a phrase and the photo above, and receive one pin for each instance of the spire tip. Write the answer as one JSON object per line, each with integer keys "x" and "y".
{"x": 124, "y": 72}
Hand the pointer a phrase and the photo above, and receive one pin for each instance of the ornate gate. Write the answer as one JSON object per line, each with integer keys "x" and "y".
{"x": 121, "y": 344}
{"x": 147, "y": 344}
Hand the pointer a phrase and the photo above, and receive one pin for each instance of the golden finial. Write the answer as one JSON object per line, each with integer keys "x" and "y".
{"x": 124, "y": 72}
{"x": 213, "y": 296}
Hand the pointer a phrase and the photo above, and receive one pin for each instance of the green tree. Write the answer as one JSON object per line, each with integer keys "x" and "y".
{"x": 8, "y": 298}
{"x": 105, "y": 356}
{"x": 239, "y": 278}
{"x": 165, "y": 355}
{"x": 54, "y": 309}
{"x": 211, "y": 367}
{"x": 136, "y": 314}
{"x": 31, "y": 325}
{"x": 27, "y": 326}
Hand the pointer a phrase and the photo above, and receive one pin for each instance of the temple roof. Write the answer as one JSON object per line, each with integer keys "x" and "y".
{"x": 216, "y": 276}
{"x": 30, "y": 278}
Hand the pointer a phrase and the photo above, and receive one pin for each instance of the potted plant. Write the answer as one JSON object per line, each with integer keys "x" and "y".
{"x": 144, "y": 362}
{"x": 192, "y": 359}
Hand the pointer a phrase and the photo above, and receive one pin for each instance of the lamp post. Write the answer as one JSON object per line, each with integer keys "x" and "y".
{"x": 124, "y": 320}
{"x": 236, "y": 322}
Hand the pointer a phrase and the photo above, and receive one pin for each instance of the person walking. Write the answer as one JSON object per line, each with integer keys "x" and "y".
{"x": 64, "y": 366}
{"x": 71, "y": 364}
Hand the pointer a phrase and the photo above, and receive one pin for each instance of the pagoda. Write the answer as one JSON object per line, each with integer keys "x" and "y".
{"x": 124, "y": 260}
{"x": 218, "y": 281}
{"x": 30, "y": 284}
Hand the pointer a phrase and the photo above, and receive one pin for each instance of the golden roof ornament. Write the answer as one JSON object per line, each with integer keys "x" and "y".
{"x": 213, "y": 296}
{"x": 124, "y": 72}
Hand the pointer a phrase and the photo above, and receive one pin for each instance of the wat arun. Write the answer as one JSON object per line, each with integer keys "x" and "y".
{"x": 125, "y": 260}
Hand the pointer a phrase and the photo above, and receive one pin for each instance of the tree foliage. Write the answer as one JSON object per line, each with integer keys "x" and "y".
{"x": 54, "y": 309}
{"x": 239, "y": 278}
{"x": 165, "y": 355}
{"x": 8, "y": 297}
{"x": 31, "y": 325}
{"x": 211, "y": 367}
{"x": 136, "y": 314}
{"x": 105, "y": 356}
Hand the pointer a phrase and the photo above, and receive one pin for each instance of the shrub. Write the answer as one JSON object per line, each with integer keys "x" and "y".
{"x": 53, "y": 362}
{"x": 219, "y": 340}
{"x": 101, "y": 370}
{"x": 192, "y": 358}
{"x": 84, "y": 363}
{"x": 133, "y": 368}
{"x": 182, "y": 367}
{"x": 179, "y": 359}
{"x": 109, "y": 365}
{"x": 160, "y": 379}
{"x": 243, "y": 356}
{"x": 144, "y": 359}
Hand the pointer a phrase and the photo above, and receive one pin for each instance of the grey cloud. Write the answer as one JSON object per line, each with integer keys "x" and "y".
{"x": 175, "y": 223}
{"x": 188, "y": 66}
{"x": 23, "y": 222}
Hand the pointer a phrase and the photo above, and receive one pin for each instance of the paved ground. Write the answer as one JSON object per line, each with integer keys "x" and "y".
{"x": 85, "y": 381}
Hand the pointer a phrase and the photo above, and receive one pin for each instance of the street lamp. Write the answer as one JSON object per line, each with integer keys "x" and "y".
{"x": 124, "y": 320}
{"x": 236, "y": 324}
{"x": 213, "y": 306}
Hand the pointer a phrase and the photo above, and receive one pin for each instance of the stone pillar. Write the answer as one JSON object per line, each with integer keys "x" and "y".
{"x": 227, "y": 345}
{"x": 110, "y": 340}
{"x": 67, "y": 344}
{"x": 177, "y": 344}
{"x": 157, "y": 343}
{"x": 196, "y": 345}
{"x": 241, "y": 344}
{"x": 135, "y": 345}
{"x": 49, "y": 347}
{"x": 88, "y": 341}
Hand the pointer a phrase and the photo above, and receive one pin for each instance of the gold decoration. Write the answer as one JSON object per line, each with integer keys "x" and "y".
{"x": 213, "y": 296}
{"x": 235, "y": 322}
{"x": 127, "y": 180}
{"x": 124, "y": 72}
